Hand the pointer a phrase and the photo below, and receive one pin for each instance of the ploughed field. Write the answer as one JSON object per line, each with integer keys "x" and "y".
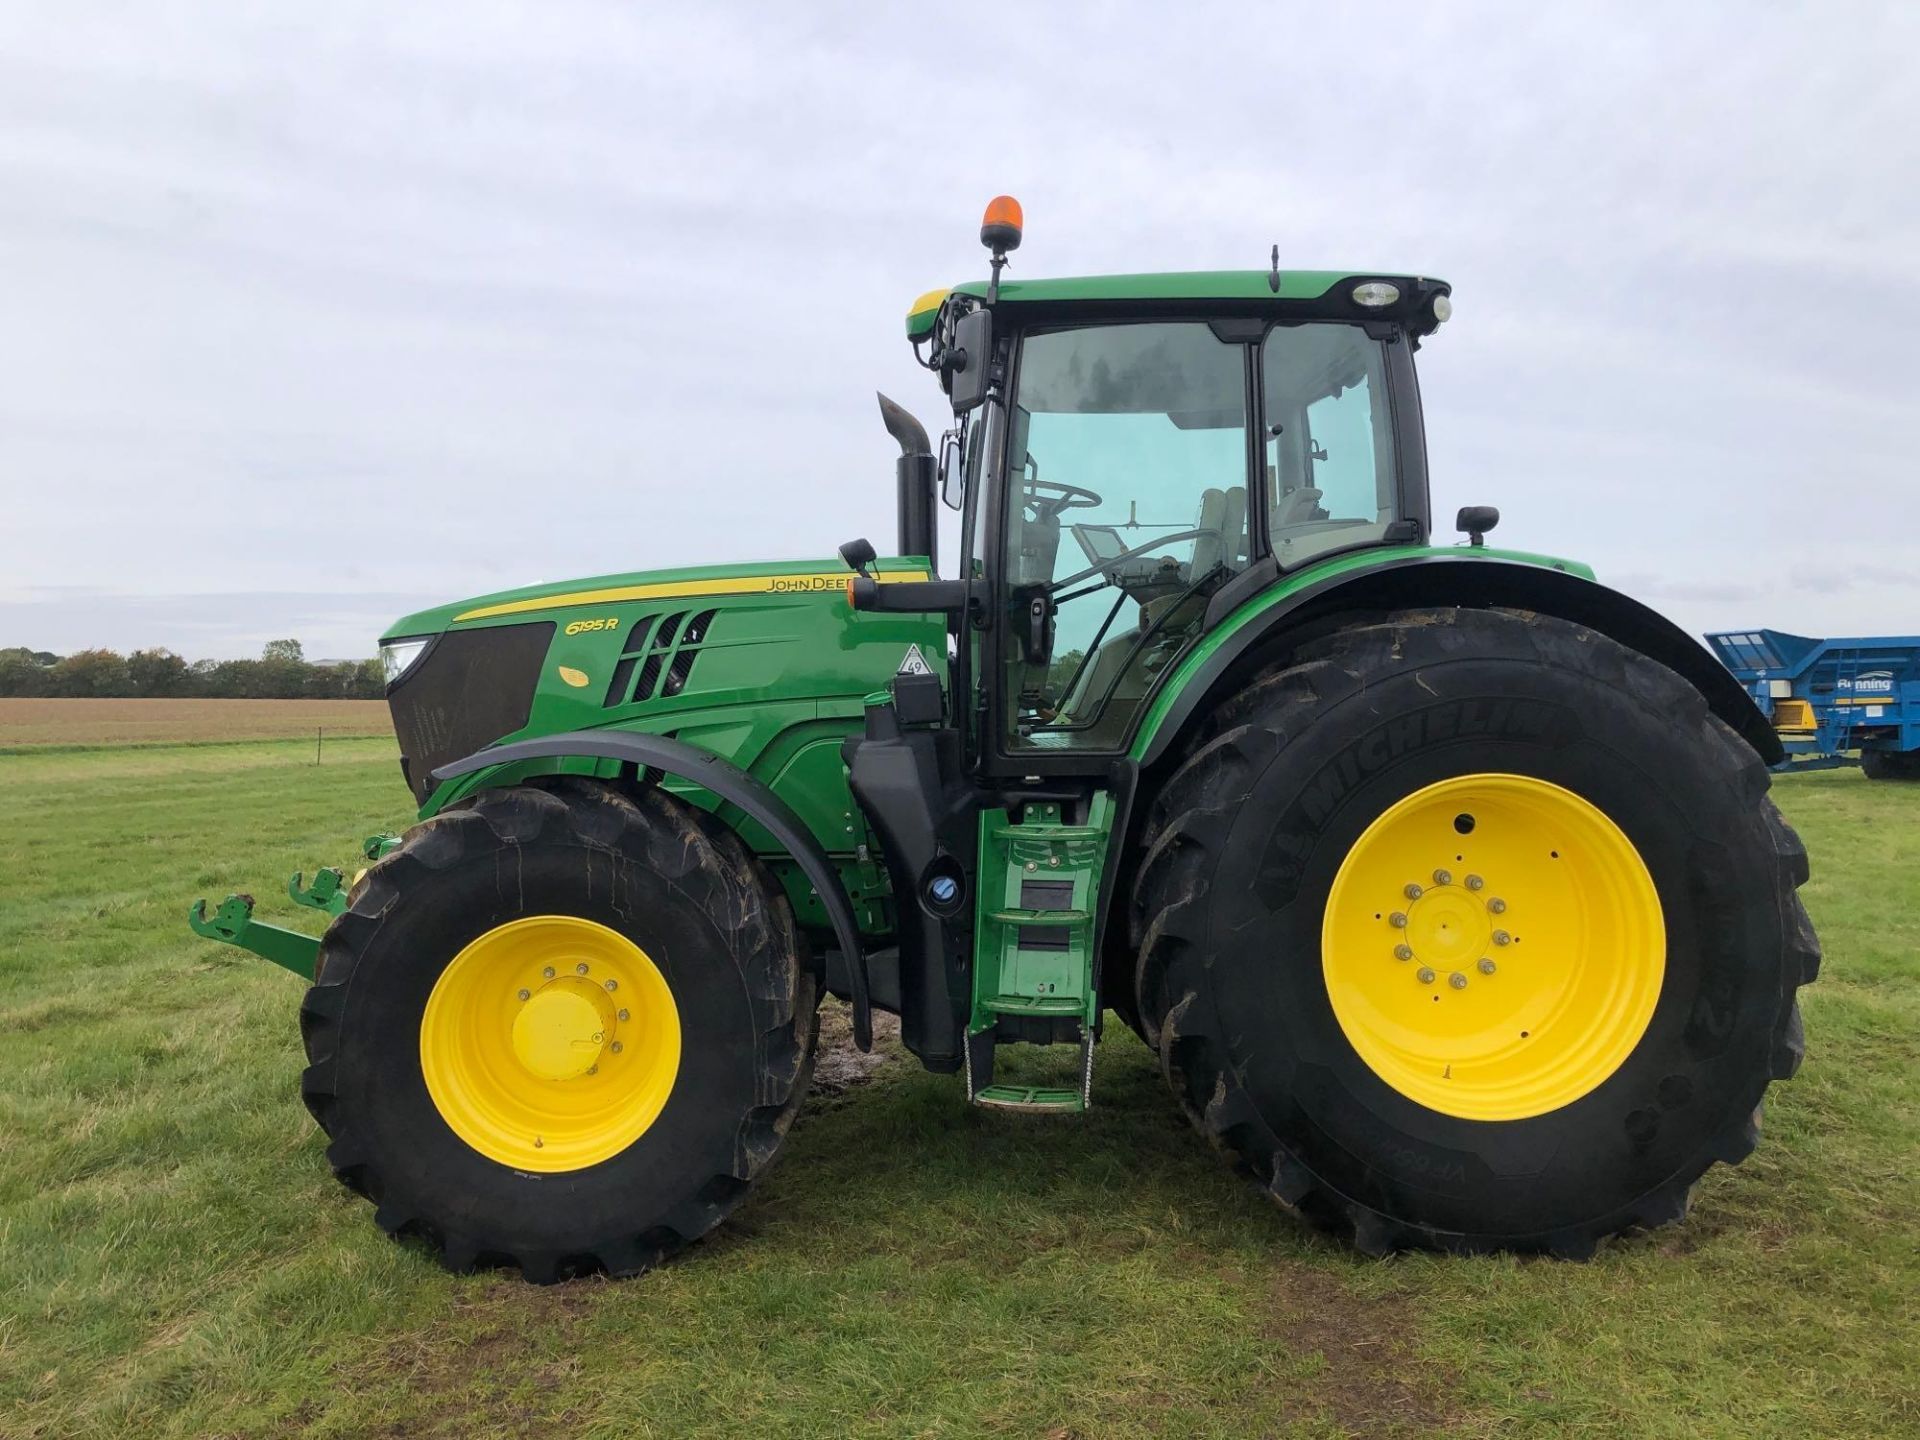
{"x": 33, "y": 723}
{"x": 179, "y": 1262}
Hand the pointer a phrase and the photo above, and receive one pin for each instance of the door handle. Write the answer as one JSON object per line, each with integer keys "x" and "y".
{"x": 1039, "y": 630}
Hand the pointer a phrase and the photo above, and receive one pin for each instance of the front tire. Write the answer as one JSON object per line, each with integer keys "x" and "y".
{"x": 560, "y": 1029}
{"x": 1380, "y": 1048}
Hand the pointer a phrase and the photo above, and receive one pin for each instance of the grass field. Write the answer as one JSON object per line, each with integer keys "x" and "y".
{"x": 177, "y": 1261}
{"x": 36, "y": 724}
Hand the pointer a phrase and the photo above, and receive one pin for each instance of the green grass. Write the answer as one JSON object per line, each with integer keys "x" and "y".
{"x": 175, "y": 1259}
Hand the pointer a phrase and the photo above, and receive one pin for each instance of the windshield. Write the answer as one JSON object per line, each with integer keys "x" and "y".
{"x": 1127, "y": 464}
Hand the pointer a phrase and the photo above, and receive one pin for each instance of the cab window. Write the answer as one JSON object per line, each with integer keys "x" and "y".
{"x": 1331, "y": 477}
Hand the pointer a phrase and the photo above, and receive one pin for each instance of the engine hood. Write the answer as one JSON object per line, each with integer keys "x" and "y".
{"x": 717, "y": 654}
{"x": 827, "y": 578}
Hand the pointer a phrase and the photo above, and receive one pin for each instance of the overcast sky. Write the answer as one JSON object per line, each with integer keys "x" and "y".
{"x": 310, "y": 315}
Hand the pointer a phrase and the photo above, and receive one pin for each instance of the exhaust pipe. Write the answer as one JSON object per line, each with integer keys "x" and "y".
{"x": 916, "y": 471}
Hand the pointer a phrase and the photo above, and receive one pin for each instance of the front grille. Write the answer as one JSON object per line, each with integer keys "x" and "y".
{"x": 659, "y": 657}
{"x": 469, "y": 689}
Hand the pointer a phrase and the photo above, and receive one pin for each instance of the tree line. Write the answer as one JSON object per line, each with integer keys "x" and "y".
{"x": 281, "y": 673}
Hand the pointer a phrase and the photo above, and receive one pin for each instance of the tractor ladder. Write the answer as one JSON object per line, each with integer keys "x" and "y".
{"x": 1033, "y": 974}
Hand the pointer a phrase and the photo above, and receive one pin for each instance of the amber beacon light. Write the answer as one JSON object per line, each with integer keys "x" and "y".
{"x": 1000, "y": 226}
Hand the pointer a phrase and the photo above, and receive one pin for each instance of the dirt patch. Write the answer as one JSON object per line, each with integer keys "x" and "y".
{"x": 837, "y": 1066}
{"x": 1703, "y": 1228}
{"x": 506, "y": 1334}
{"x": 1369, "y": 1381}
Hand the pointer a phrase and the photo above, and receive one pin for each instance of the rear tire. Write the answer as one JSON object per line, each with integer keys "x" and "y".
{"x": 1890, "y": 764}
{"x": 1253, "y": 1016}
{"x": 660, "y": 877}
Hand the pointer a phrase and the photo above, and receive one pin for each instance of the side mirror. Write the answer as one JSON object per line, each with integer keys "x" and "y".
{"x": 1476, "y": 520}
{"x": 968, "y": 359}
{"x": 858, "y": 554}
{"x": 953, "y": 475}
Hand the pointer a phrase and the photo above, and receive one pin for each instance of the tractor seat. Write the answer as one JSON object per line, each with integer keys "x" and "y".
{"x": 1223, "y": 521}
{"x": 1297, "y": 507}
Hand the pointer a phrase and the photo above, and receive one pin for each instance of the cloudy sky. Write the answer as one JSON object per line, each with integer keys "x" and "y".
{"x": 313, "y": 314}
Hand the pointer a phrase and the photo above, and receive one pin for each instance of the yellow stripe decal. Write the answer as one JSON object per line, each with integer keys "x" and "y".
{"x": 683, "y": 589}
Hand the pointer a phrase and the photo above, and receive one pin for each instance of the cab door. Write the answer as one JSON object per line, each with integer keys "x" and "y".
{"x": 1123, "y": 507}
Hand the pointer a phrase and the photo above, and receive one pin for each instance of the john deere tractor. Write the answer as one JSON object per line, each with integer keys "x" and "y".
{"x": 1441, "y": 879}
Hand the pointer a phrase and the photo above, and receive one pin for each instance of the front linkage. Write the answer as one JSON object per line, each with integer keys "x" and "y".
{"x": 233, "y": 922}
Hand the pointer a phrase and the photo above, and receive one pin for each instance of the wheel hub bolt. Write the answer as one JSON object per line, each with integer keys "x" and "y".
{"x": 1474, "y": 882}
{"x": 1486, "y": 967}
{"x": 1443, "y": 877}
{"x": 1413, "y": 892}
{"x": 1457, "y": 980}
{"x": 526, "y": 994}
{"x": 1500, "y": 937}
{"x": 581, "y": 968}
{"x": 1403, "y": 952}
{"x": 1497, "y": 905}
{"x": 1398, "y": 920}
{"x": 616, "y": 1047}
{"x": 1425, "y": 975}
{"x": 623, "y": 1014}
{"x": 548, "y": 972}
{"x": 613, "y": 984}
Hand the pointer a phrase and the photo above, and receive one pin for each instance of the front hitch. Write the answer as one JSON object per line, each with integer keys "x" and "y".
{"x": 233, "y": 924}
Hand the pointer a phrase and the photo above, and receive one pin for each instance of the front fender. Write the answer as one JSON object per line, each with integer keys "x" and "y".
{"x": 730, "y": 783}
{"x": 1260, "y": 628}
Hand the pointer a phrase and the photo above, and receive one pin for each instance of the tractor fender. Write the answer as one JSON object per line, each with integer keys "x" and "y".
{"x": 1461, "y": 578}
{"x": 730, "y": 783}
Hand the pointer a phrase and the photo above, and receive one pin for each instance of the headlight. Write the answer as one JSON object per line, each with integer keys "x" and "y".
{"x": 397, "y": 656}
{"x": 1375, "y": 293}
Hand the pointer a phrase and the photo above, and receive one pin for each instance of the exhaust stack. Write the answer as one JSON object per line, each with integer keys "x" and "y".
{"x": 915, "y": 469}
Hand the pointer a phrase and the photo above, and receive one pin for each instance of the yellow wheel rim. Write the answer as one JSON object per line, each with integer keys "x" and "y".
{"x": 550, "y": 1043}
{"x": 1493, "y": 947}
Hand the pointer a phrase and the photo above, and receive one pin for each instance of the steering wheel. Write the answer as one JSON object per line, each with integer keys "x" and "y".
{"x": 1065, "y": 497}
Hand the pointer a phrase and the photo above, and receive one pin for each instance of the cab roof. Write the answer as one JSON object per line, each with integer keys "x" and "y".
{"x": 1295, "y": 286}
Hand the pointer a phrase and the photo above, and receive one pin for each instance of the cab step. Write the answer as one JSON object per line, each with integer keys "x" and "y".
{"x": 1021, "y": 1097}
{"x": 1018, "y": 916}
{"x": 983, "y": 1090}
{"x": 1067, "y": 1005}
{"x": 1051, "y": 832}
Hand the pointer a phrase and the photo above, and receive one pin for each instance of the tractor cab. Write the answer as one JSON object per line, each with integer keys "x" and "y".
{"x": 1133, "y": 454}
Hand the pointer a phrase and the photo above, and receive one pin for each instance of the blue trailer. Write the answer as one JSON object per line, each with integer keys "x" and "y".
{"x": 1827, "y": 697}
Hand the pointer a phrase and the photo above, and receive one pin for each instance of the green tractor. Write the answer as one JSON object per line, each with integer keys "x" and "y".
{"x": 1441, "y": 879}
